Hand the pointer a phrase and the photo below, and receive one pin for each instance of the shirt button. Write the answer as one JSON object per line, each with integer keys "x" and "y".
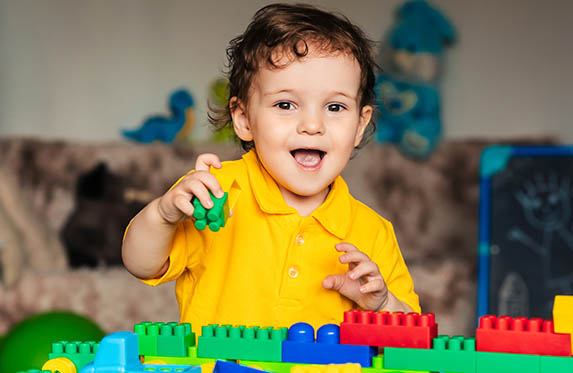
{"x": 293, "y": 272}
{"x": 299, "y": 239}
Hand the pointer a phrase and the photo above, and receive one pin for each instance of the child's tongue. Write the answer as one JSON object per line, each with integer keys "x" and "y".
{"x": 307, "y": 158}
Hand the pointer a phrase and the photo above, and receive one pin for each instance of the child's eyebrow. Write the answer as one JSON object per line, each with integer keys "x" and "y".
{"x": 347, "y": 95}
{"x": 335, "y": 93}
{"x": 271, "y": 93}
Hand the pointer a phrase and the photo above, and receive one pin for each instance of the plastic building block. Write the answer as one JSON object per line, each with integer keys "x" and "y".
{"x": 147, "y": 333}
{"x": 60, "y": 365}
{"x": 34, "y": 371}
{"x": 555, "y": 364}
{"x": 215, "y": 217}
{"x": 521, "y": 335}
{"x": 388, "y": 329}
{"x": 301, "y": 347}
{"x": 270, "y": 366}
{"x": 330, "y": 368}
{"x": 494, "y": 362}
{"x": 118, "y": 353}
{"x": 456, "y": 354}
{"x": 378, "y": 367}
{"x": 80, "y": 353}
{"x": 241, "y": 343}
{"x": 563, "y": 313}
{"x": 229, "y": 367}
{"x": 190, "y": 358}
{"x": 174, "y": 339}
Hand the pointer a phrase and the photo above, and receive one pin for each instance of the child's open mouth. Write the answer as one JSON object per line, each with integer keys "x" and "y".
{"x": 308, "y": 159}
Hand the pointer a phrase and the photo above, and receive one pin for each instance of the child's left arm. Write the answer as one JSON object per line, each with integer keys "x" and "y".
{"x": 363, "y": 282}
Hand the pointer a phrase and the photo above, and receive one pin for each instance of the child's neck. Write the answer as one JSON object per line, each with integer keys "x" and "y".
{"x": 305, "y": 205}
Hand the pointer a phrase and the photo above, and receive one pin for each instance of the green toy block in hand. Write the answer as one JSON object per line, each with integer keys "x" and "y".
{"x": 215, "y": 217}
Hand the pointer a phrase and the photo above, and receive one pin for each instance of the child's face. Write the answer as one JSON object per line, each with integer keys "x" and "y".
{"x": 305, "y": 119}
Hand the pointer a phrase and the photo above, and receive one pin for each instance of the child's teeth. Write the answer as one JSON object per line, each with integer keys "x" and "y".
{"x": 307, "y": 158}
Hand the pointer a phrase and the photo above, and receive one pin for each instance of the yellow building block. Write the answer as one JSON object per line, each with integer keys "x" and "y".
{"x": 60, "y": 364}
{"x": 330, "y": 368}
{"x": 563, "y": 314}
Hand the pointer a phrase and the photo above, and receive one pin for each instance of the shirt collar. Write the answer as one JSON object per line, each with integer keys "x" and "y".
{"x": 333, "y": 214}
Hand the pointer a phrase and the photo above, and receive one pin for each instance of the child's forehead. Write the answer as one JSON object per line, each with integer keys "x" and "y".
{"x": 317, "y": 72}
{"x": 282, "y": 56}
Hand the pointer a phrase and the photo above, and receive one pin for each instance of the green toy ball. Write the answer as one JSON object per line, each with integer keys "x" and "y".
{"x": 28, "y": 344}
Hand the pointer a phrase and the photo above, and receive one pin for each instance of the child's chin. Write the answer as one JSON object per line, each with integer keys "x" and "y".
{"x": 304, "y": 190}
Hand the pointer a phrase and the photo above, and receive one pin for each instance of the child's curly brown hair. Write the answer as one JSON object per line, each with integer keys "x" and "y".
{"x": 290, "y": 28}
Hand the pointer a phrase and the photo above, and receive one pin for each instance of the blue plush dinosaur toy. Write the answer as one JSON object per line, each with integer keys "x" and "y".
{"x": 164, "y": 128}
{"x": 407, "y": 91}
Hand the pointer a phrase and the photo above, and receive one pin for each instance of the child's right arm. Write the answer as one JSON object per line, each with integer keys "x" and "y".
{"x": 147, "y": 242}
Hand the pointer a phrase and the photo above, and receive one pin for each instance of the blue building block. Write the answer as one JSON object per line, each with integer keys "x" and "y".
{"x": 229, "y": 367}
{"x": 118, "y": 353}
{"x": 301, "y": 347}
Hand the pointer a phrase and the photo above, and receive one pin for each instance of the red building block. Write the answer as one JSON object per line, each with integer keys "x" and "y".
{"x": 388, "y": 329}
{"x": 521, "y": 335}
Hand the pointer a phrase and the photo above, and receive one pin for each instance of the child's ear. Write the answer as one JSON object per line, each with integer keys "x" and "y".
{"x": 240, "y": 119}
{"x": 363, "y": 122}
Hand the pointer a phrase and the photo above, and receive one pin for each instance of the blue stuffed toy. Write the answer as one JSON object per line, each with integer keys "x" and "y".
{"x": 407, "y": 91}
{"x": 164, "y": 128}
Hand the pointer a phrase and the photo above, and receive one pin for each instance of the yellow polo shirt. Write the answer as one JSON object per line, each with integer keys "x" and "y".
{"x": 266, "y": 266}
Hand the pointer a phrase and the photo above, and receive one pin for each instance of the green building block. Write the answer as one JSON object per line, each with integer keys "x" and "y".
{"x": 190, "y": 359}
{"x": 378, "y": 367}
{"x": 147, "y": 333}
{"x": 215, "y": 217}
{"x": 34, "y": 371}
{"x": 242, "y": 343}
{"x": 555, "y": 364}
{"x": 496, "y": 362}
{"x": 174, "y": 339}
{"x": 79, "y": 353}
{"x": 456, "y": 354}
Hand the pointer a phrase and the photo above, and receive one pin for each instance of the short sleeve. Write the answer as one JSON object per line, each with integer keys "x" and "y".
{"x": 393, "y": 267}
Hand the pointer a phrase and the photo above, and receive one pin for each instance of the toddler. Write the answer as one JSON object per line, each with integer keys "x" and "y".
{"x": 298, "y": 246}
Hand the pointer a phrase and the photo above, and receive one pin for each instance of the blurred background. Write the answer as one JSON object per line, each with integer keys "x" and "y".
{"x": 84, "y": 86}
{"x": 81, "y": 70}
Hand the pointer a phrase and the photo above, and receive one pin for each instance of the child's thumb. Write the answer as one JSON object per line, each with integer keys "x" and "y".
{"x": 333, "y": 282}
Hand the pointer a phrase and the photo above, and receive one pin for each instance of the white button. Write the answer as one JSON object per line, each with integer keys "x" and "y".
{"x": 293, "y": 272}
{"x": 299, "y": 239}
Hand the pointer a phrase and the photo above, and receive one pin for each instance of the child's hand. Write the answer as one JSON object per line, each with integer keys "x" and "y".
{"x": 363, "y": 282}
{"x": 176, "y": 203}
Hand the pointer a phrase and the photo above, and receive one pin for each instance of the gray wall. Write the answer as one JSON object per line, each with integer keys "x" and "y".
{"x": 85, "y": 69}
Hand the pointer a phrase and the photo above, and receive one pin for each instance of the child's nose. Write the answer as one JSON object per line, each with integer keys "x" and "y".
{"x": 311, "y": 124}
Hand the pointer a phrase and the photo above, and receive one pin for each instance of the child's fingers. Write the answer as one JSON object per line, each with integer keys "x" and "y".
{"x": 345, "y": 247}
{"x": 210, "y": 182}
{"x": 353, "y": 257}
{"x": 333, "y": 282}
{"x": 364, "y": 269}
{"x": 204, "y": 161}
{"x": 196, "y": 188}
{"x": 182, "y": 204}
{"x": 373, "y": 286}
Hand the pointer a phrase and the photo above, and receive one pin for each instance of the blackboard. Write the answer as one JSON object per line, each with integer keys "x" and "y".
{"x": 525, "y": 229}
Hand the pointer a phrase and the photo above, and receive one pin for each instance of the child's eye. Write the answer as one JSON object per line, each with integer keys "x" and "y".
{"x": 335, "y": 107}
{"x": 283, "y": 105}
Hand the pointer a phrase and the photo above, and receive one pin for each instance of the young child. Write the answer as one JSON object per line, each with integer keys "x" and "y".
{"x": 298, "y": 246}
